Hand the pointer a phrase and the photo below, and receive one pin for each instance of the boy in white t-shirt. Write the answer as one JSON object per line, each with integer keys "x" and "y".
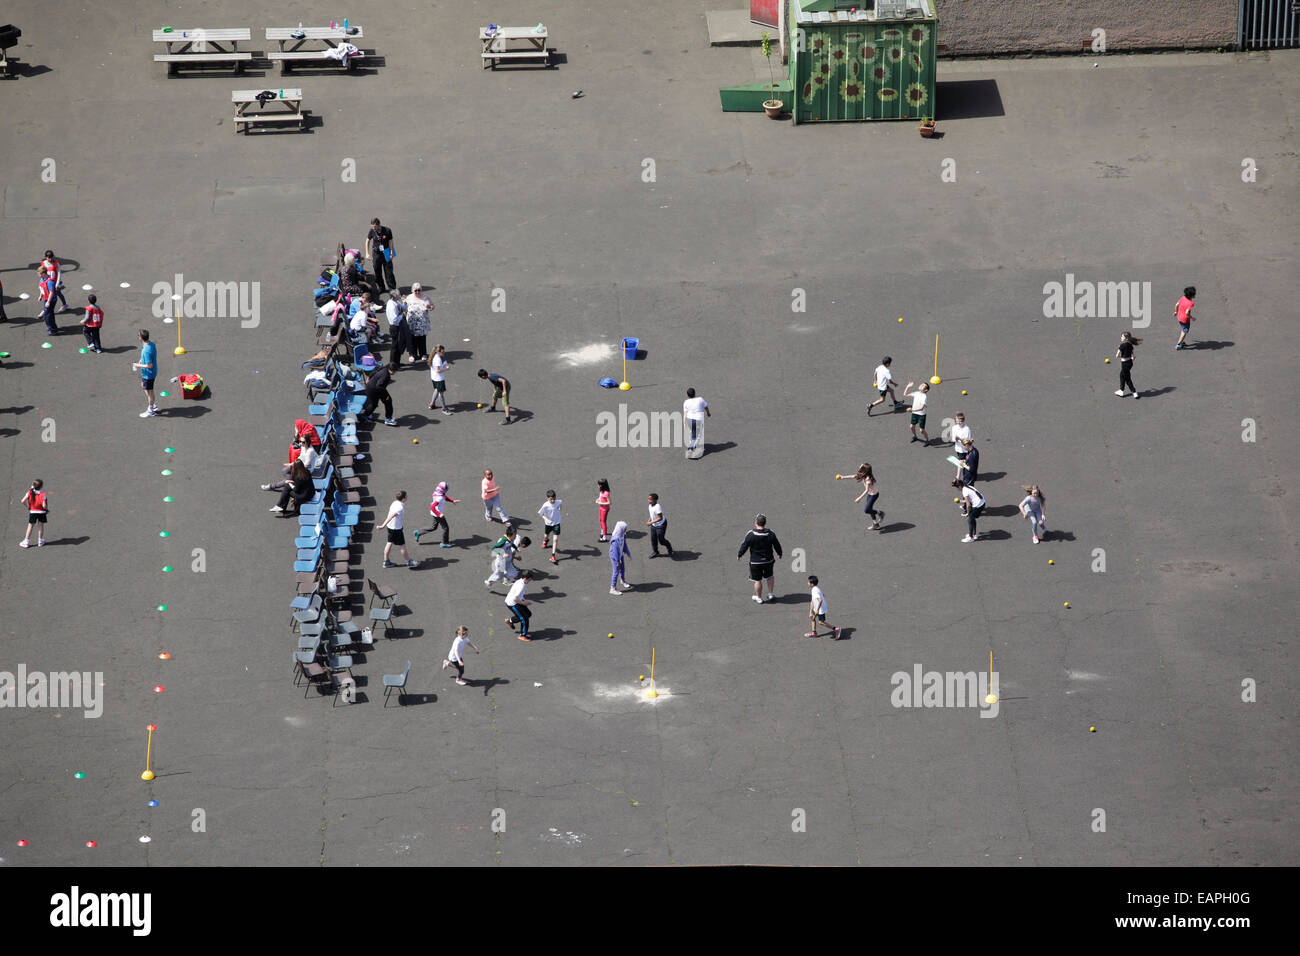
{"x": 960, "y": 432}
{"x": 884, "y": 383}
{"x": 694, "y": 410}
{"x": 438, "y": 366}
{"x": 396, "y": 514}
{"x": 817, "y": 610}
{"x": 920, "y": 400}
{"x": 551, "y": 515}
{"x": 455, "y": 657}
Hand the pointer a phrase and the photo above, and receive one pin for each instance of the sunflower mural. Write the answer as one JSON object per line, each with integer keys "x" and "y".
{"x": 917, "y": 94}
{"x": 880, "y": 73}
{"x": 809, "y": 91}
{"x": 824, "y": 69}
{"x": 870, "y": 52}
{"x": 818, "y": 43}
{"x": 891, "y": 35}
{"x": 917, "y": 35}
{"x": 894, "y": 54}
{"x": 837, "y": 55}
{"x": 852, "y": 91}
{"x": 855, "y": 69}
{"x": 916, "y": 62}
{"x": 887, "y": 94}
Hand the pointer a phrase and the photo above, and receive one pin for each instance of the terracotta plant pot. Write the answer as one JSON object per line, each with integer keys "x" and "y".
{"x": 926, "y": 129}
{"x": 773, "y": 108}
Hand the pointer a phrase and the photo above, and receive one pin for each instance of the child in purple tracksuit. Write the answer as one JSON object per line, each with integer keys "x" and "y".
{"x": 618, "y": 553}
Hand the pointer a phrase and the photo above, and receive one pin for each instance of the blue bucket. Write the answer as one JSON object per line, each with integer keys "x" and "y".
{"x": 629, "y": 348}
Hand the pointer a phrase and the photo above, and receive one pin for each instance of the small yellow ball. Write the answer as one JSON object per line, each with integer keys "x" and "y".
{"x": 642, "y": 677}
{"x": 1050, "y": 561}
{"x": 611, "y": 635}
{"x": 479, "y": 405}
{"x": 963, "y": 391}
{"x": 1067, "y": 604}
{"x": 900, "y": 318}
{"x": 1107, "y": 361}
{"x": 839, "y": 477}
{"x": 415, "y": 441}
{"x": 1092, "y": 730}
{"x": 955, "y": 500}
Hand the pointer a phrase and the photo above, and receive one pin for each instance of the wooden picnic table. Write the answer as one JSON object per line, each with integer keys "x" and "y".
{"x": 290, "y": 99}
{"x": 311, "y": 43}
{"x": 202, "y": 46}
{"x": 498, "y": 45}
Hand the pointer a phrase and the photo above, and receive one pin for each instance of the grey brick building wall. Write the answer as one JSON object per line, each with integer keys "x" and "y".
{"x": 981, "y": 27}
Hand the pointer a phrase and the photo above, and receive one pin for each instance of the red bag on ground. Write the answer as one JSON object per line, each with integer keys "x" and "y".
{"x": 191, "y": 386}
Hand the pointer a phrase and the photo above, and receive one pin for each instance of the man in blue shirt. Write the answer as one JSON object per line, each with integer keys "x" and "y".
{"x": 148, "y": 366}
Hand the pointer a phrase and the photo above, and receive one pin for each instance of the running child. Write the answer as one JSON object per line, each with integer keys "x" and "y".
{"x": 1183, "y": 313}
{"x": 884, "y": 383}
{"x": 455, "y": 657}
{"x": 870, "y": 491}
{"x": 1127, "y": 344}
{"x": 1034, "y": 507}
{"x": 393, "y": 523}
{"x": 440, "y": 498}
{"x": 550, "y": 512}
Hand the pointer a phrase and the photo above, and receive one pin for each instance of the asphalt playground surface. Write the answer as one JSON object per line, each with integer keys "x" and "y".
{"x": 1126, "y": 171}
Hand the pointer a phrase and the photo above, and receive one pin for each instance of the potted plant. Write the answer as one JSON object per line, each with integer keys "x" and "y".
{"x": 927, "y": 126}
{"x": 771, "y": 107}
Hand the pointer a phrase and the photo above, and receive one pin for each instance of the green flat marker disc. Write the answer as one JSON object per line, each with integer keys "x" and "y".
{"x": 4, "y": 354}
{"x": 164, "y": 534}
{"x": 167, "y": 568}
{"x": 163, "y": 394}
{"x": 169, "y": 449}
{"x": 166, "y": 472}
{"x": 46, "y": 345}
{"x": 169, "y": 498}
{"x": 79, "y": 775}
{"x": 162, "y": 607}
{"x": 82, "y": 350}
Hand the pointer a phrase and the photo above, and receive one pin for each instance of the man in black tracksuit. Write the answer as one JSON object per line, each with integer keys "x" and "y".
{"x": 761, "y": 545}
{"x": 377, "y": 391}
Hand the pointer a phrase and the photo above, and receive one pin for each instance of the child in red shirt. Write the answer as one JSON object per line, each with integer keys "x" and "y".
{"x": 91, "y": 324}
{"x": 1183, "y": 313}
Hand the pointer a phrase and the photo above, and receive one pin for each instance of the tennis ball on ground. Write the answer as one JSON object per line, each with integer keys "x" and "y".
{"x": 611, "y": 635}
{"x": 900, "y": 318}
{"x": 1067, "y": 603}
{"x": 1092, "y": 730}
{"x": 1107, "y": 361}
{"x": 963, "y": 391}
{"x": 838, "y": 477}
{"x": 955, "y": 500}
{"x": 1050, "y": 561}
{"x": 415, "y": 441}
{"x": 642, "y": 677}
{"x": 479, "y": 405}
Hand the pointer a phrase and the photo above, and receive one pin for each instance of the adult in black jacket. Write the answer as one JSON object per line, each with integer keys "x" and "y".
{"x": 377, "y": 391}
{"x": 764, "y": 549}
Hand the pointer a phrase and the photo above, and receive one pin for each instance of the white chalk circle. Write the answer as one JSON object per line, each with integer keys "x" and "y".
{"x": 124, "y": 285}
{"x": 146, "y": 839}
{"x": 168, "y": 321}
{"x": 87, "y": 288}
{"x": 23, "y": 295}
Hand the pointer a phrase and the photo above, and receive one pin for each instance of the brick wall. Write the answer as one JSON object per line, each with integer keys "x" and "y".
{"x": 979, "y": 27}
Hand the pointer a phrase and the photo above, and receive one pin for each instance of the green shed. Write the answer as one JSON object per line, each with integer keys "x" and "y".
{"x": 853, "y": 64}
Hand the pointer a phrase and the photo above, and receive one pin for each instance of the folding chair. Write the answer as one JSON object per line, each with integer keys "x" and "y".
{"x": 396, "y": 681}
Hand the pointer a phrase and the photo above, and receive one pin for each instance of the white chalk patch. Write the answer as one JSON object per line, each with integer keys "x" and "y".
{"x": 124, "y": 285}
{"x": 629, "y": 692}
{"x": 177, "y": 296}
{"x": 146, "y": 839}
{"x": 296, "y": 721}
{"x": 593, "y": 354}
{"x": 464, "y": 340}
{"x": 87, "y": 288}
{"x": 23, "y": 295}
{"x": 168, "y": 321}
{"x": 1083, "y": 675}
{"x": 536, "y": 684}
{"x": 568, "y": 837}
{"x": 802, "y": 328}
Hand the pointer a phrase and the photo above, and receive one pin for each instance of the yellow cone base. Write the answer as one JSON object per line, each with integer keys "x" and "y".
{"x": 991, "y": 699}
{"x": 652, "y": 692}
{"x": 147, "y": 775}
{"x": 623, "y": 386}
{"x": 935, "y": 380}
{"x": 179, "y": 350}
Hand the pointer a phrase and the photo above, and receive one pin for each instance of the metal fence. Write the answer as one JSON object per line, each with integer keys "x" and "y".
{"x": 1268, "y": 24}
